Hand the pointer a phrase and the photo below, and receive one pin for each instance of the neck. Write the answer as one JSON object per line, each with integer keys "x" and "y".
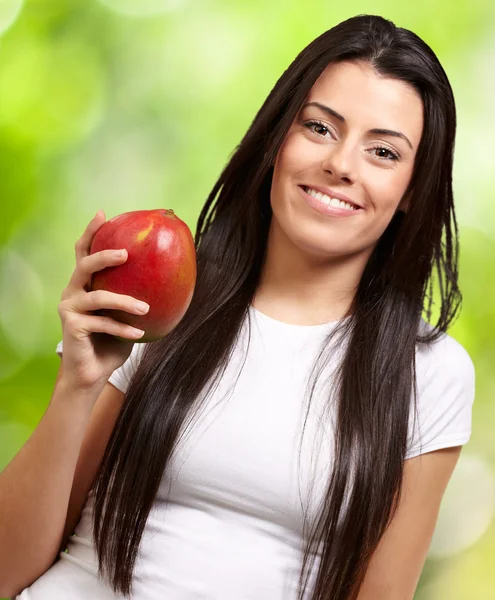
{"x": 301, "y": 288}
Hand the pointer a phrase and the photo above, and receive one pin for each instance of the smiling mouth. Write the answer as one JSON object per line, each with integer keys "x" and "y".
{"x": 329, "y": 201}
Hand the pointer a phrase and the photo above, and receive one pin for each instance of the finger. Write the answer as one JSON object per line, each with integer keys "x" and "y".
{"x": 79, "y": 327}
{"x": 83, "y": 244}
{"x": 102, "y": 299}
{"x": 87, "y": 265}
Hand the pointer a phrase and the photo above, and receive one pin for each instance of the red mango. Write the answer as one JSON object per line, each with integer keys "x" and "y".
{"x": 160, "y": 268}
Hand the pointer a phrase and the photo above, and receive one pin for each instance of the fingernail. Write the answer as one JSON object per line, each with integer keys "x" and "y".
{"x": 142, "y": 307}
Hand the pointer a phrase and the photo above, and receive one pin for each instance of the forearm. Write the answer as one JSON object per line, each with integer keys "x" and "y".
{"x": 35, "y": 488}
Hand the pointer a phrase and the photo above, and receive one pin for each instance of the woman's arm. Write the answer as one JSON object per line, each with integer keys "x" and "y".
{"x": 35, "y": 488}
{"x": 61, "y": 457}
{"x": 398, "y": 560}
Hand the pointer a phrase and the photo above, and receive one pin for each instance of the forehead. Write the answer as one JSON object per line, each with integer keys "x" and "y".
{"x": 365, "y": 98}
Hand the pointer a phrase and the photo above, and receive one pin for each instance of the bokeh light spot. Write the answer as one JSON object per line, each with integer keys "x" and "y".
{"x": 467, "y": 507}
{"x": 9, "y": 11}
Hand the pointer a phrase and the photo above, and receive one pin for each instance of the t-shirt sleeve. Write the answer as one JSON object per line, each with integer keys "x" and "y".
{"x": 446, "y": 391}
{"x": 121, "y": 377}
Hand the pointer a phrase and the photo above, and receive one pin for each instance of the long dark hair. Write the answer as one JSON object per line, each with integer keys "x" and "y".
{"x": 376, "y": 378}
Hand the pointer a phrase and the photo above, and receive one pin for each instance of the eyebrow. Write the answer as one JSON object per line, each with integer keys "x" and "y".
{"x": 377, "y": 131}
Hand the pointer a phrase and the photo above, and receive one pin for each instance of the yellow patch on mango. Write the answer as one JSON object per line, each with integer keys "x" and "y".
{"x": 143, "y": 234}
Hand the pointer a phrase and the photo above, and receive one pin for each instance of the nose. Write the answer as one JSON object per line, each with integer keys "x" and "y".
{"x": 338, "y": 161}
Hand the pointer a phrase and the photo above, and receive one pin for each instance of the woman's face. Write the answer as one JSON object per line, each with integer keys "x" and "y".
{"x": 342, "y": 155}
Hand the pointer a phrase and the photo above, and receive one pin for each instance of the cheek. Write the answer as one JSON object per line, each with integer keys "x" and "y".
{"x": 386, "y": 193}
{"x": 295, "y": 156}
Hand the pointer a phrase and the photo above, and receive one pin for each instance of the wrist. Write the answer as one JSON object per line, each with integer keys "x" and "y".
{"x": 75, "y": 393}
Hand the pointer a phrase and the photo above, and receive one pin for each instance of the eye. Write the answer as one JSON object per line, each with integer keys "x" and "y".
{"x": 393, "y": 155}
{"x": 310, "y": 124}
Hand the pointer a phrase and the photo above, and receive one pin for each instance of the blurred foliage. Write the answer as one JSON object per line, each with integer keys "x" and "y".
{"x": 127, "y": 104}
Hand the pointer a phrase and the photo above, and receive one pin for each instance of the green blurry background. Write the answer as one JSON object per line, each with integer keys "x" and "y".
{"x": 130, "y": 104}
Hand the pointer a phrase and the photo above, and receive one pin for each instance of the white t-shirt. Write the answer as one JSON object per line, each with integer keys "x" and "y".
{"x": 227, "y": 521}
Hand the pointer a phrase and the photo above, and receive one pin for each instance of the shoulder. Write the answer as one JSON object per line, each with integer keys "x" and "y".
{"x": 122, "y": 376}
{"x": 445, "y": 359}
{"x": 445, "y": 385}
{"x": 136, "y": 354}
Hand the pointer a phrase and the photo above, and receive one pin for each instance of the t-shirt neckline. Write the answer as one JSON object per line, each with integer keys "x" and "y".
{"x": 296, "y": 328}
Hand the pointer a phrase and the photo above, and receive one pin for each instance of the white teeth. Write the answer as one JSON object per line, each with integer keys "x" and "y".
{"x": 340, "y": 203}
{"x": 329, "y": 201}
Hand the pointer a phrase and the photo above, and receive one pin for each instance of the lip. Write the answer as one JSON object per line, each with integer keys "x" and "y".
{"x": 331, "y": 193}
{"x": 329, "y": 211}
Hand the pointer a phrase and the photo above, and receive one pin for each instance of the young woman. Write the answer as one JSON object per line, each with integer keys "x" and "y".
{"x": 294, "y": 435}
